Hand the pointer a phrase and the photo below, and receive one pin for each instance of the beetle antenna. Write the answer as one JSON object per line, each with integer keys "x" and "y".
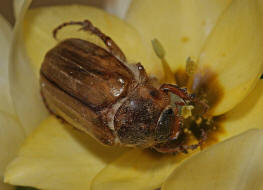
{"x": 88, "y": 26}
{"x": 55, "y": 31}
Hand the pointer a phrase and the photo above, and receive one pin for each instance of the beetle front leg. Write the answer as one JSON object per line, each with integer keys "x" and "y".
{"x": 177, "y": 128}
{"x": 175, "y": 150}
{"x": 88, "y": 26}
{"x": 178, "y": 145}
{"x": 182, "y": 93}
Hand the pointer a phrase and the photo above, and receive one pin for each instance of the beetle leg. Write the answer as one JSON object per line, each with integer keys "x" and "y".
{"x": 178, "y": 148}
{"x": 176, "y": 130}
{"x": 88, "y": 26}
{"x": 195, "y": 146}
{"x": 176, "y": 90}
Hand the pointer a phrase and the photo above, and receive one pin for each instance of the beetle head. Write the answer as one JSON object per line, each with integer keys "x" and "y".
{"x": 168, "y": 126}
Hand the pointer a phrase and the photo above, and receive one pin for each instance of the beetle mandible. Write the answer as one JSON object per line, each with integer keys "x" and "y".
{"x": 98, "y": 92}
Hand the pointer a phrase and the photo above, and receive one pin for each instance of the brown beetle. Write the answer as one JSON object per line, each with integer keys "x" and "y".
{"x": 98, "y": 92}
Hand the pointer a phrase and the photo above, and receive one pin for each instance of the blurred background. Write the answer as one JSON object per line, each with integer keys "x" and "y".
{"x": 6, "y": 9}
{"x": 117, "y": 7}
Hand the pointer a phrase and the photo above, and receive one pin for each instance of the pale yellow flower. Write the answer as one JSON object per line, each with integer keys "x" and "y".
{"x": 222, "y": 37}
{"x": 11, "y": 132}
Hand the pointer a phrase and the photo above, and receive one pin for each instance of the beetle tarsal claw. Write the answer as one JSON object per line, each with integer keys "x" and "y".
{"x": 187, "y": 111}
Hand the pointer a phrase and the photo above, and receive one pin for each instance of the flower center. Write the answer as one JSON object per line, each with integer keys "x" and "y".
{"x": 208, "y": 91}
{"x": 199, "y": 122}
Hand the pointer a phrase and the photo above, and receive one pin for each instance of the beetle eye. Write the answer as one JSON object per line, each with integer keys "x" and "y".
{"x": 165, "y": 125}
{"x": 154, "y": 93}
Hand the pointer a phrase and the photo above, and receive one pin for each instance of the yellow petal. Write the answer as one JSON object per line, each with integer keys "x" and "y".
{"x": 234, "y": 52}
{"x": 24, "y": 85}
{"x": 247, "y": 115}
{"x": 231, "y": 165}
{"x": 182, "y": 26}
{"x": 40, "y": 23}
{"x": 59, "y": 157}
{"x": 11, "y": 137}
{"x": 140, "y": 170}
{"x": 5, "y": 40}
{"x": 134, "y": 168}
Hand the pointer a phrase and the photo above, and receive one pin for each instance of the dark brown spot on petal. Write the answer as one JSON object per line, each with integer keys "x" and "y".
{"x": 209, "y": 93}
{"x": 181, "y": 77}
{"x": 207, "y": 88}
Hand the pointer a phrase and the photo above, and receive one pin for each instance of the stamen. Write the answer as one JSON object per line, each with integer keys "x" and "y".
{"x": 199, "y": 120}
{"x": 160, "y": 52}
{"x": 191, "y": 66}
{"x": 187, "y": 111}
{"x": 158, "y": 48}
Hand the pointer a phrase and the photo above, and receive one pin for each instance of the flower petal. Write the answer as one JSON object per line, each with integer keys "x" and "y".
{"x": 5, "y": 41}
{"x": 59, "y": 157}
{"x": 40, "y": 23}
{"x": 234, "y": 52}
{"x": 134, "y": 168}
{"x": 17, "y": 7}
{"x": 234, "y": 164}
{"x": 117, "y": 7}
{"x": 137, "y": 169}
{"x": 182, "y": 26}
{"x": 24, "y": 85}
{"x": 247, "y": 115}
{"x": 11, "y": 133}
{"x": 11, "y": 137}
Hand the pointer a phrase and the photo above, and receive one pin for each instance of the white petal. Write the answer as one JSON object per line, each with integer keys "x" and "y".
{"x": 5, "y": 42}
{"x": 117, "y": 7}
{"x": 11, "y": 133}
{"x": 11, "y": 137}
{"x": 235, "y": 164}
{"x": 24, "y": 84}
